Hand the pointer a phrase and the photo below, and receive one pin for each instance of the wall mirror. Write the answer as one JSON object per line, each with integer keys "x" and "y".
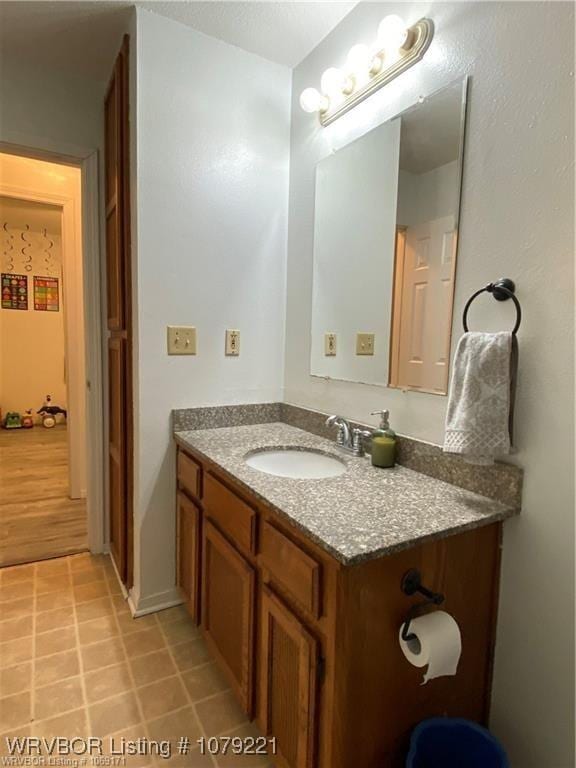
{"x": 385, "y": 244}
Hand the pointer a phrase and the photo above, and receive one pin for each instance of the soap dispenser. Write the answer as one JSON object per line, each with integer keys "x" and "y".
{"x": 383, "y": 442}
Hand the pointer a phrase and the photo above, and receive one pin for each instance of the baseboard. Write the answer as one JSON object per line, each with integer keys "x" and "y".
{"x": 154, "y": 603}
{"x": 122, "y": 586}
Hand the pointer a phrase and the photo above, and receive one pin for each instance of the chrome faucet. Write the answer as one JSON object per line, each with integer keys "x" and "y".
{"x": 348, "y": 439}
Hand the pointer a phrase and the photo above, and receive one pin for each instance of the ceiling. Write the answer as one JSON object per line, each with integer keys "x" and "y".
{"x": 16, "y": 214}
{"x": 83, "y": 37}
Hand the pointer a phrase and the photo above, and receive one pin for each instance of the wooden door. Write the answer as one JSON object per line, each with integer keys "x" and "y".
{"x": 189, "y": 553}
{"x": 119, "y": 310}
{"x": 228, "y": 593}
{"x": 288, "y": 683}
{"x": 423, "y": 320}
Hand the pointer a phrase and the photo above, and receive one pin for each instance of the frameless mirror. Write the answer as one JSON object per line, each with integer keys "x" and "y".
{"x": 385, "y": 239}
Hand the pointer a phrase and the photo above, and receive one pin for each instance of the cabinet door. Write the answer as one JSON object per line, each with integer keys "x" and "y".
{"x": 189, "y": 553}
{"x": 228, "y": 586}
{"x": 288, "y": 682}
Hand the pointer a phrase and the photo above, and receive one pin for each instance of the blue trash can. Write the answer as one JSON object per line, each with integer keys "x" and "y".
{"x": 444, "y": 742}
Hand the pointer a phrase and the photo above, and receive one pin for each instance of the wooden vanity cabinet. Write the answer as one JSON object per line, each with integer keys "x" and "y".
{"x": 309, "y": 645}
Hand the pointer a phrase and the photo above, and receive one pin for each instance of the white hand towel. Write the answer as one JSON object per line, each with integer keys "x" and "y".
{"x": 481, "y": 401}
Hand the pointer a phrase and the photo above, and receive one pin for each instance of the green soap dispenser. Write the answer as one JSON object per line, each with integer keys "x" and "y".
{"x": 383, "y": 442}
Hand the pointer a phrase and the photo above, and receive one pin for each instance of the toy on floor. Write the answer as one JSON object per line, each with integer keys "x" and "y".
{"x": 49, "y": 413}
{"x": 12, "y": 421}
{"x": 28, "y": 420}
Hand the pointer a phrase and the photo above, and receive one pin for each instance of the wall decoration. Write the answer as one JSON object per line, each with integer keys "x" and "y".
{"x": 46, "y": 294}
{"x": 14, "y": 291}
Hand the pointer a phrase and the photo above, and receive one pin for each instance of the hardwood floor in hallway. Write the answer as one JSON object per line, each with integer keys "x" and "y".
{"x": 37, "y": 519}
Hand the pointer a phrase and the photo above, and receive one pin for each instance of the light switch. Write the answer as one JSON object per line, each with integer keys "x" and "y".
{"x": 364, "y": 343}
{"x": 232, "y": 343}
{"x": 181, "y": 340}
{"x": 330, "y": 344}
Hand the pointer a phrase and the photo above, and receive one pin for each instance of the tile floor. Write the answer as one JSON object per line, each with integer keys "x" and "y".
{"x": 73, "y": 662}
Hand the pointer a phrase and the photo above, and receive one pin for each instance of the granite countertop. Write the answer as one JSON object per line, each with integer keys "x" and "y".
{"x": 362, "y": 514}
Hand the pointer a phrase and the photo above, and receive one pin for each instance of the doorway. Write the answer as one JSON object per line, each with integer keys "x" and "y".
{"x": 43, "y": 450}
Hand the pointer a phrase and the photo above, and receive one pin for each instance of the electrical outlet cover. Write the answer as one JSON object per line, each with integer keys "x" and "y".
{"x": 232, "y": 343}
{"x": 364, "y": 343}
{"x": 181, "y": 340}
{"x": 330, "y": 344}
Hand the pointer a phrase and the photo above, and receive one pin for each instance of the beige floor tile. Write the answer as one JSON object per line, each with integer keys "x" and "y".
{"x": 139, "y": 643}
{"x": 220, "y": 714}
{"x": 16, "y": 574}
{"x": 15, "y": 710}
{"x": 15, "y": 609}
{"x": 71, "y": 725}
{"x": 16, "y": 628}
{"x": 194, "y": 759}
{"x": 88, "y": 576}
{"x": 55, "y": 567}
{"x": 245, "y": 760}
{"x": 172, "y": 614}
{"x": 180, "y": 631}
{"x": 97, "y": 629}
{"x": 113, "y": 744}
{"x": 120, "y": 604}
{"x": 55, "y": 641}
{"x": 94, "y": 609}
{"x": 173, "y": 726}
{"x": 57, "y": 583}
{"x": 104, "y": 683}
{"x": 19, "y": 591}
{"x": 59, "y": 667}
{"x": 16, "y": 679}
{"x": 128, "y": 623}
{"x": 114, "y": 585}
{"x": 189, "y": 655}
{"x": 87, "y": 560}
{"x": 114, "y": 714}
{"x": 57, "y": 698}
{"x": 61, "y": 617}
{"x": 84, "y": 593}
{"x": 19, "y": 733}
{"x": 204, "y": 681}
{"x": 53, "y": 600}
{"x": 154, "y": 666}
{"x": 15, "y": 651}
{"x": 102, "y": 654}
{"x": 161, "y": 697}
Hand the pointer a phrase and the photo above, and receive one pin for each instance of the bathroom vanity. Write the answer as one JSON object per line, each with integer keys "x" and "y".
{"x": 296, "y": 584}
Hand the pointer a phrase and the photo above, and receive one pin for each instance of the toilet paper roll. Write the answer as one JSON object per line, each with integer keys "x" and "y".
{"x": 437, "y": 644}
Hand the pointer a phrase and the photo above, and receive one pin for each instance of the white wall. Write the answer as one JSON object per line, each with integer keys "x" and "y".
{"x": 423, "y": 197}
{"x": 31, "y": 342}
{"x": 516, "y": 221}
{"x": 212, "y": 169}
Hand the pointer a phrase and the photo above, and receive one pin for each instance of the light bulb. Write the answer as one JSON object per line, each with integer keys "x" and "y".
{"x": 392, "y": 33}
{"x": 359, "y": 60}
{"x": 334, "y": 82}
{"x": 311, "y": 100}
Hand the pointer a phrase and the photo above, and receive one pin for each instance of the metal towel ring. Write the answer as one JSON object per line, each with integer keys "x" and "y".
{"x": 502, "y": 290}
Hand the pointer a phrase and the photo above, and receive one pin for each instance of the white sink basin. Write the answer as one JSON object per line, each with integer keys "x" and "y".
{"x": 293, "y": 462}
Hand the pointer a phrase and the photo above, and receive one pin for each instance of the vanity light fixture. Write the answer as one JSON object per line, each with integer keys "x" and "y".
{"x": 368, "y": 68}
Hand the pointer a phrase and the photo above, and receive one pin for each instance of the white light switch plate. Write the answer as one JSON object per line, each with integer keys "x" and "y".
{"x": 364, "y": 343}
{"x": 181, "y": 340}
{"x": 330, "y": 344}
{"x": 232, "y": 343}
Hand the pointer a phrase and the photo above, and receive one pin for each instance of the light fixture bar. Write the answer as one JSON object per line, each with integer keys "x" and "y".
{"x": 421, "y": 35}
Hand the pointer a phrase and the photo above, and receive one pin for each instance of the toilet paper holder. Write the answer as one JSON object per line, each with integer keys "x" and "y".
{"x": 412, "y": 583}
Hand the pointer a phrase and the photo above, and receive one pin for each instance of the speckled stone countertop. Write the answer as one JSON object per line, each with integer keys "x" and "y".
{"x": 362, "y": 514}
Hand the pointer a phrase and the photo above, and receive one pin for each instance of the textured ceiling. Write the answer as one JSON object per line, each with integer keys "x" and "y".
{"x": 284, "y": 32}
{"x": 83, "y": 37}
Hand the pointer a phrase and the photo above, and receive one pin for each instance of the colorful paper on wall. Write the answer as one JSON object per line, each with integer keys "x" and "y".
{"x": 46, "y": 296}
{"x": 14, "y": 291}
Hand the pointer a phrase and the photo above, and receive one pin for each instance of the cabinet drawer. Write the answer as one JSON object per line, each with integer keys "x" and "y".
{"x": 189, "y": 475}
{"x": 232, "y": 515}
{"x": 291, "y": 568}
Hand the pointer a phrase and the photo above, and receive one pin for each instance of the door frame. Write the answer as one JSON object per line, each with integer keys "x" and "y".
{"x": 87, "y": 161}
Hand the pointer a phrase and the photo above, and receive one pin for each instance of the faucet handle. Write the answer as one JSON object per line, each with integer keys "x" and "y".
{"x": 357, "y": 436}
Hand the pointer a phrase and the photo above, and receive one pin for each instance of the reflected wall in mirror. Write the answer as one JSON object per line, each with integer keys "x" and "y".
{"x": 385, "y": 240}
